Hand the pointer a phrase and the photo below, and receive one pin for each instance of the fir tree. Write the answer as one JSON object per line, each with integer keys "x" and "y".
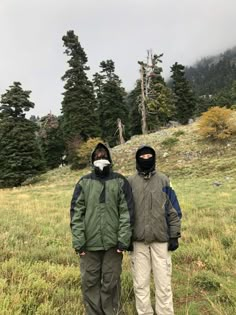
{"x": 51, "y": 140}
{"x": 133, "y": 102}
{"x": 185, "y": 100}
{"x": 20, "y": 155}
{"x": 157, "y": 99}
{"x": 160, "y": 102}
{"x": 111, "y": 102}
{"x": 79, "y": 104}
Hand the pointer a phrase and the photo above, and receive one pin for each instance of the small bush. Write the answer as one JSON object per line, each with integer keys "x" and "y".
{"x": 206, "y": 280}
{"x": 226, "y": 297}
{"x": 178, "y": 133}
{"x": 217, "y": 123}
{"x": 170, "y": 142}
{"x": 83, "y": 153}
{"x": 227, "y": 242}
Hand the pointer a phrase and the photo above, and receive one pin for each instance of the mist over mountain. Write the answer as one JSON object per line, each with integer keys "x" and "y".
{"x": 213, "y": 74}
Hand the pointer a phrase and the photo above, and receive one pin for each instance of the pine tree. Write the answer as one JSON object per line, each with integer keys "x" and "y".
{"x": 20, "y": 155}
{"x": 51, "y": 140}
{"x": 157, "y": 99}
{"x": 212, "y": 74}
{"x": 233, "y": 93}
{"x": 78, "y": 106}
{"x": 185, "y": 100}
{"x": 133, "y": 103}
{"x": 160, "y": 102}
{"x": 111, "y": 102}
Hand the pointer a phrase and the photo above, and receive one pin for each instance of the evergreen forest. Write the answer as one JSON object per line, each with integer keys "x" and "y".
{"x": 101, "y": 108}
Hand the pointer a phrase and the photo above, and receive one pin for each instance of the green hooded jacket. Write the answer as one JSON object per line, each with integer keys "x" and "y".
{"x": 101, "y": 212}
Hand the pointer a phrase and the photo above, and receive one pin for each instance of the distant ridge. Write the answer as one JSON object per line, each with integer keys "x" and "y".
{"x": 214, "y": 73}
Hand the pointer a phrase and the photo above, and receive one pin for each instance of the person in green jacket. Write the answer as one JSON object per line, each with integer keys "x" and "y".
{"x": 156, "y": 233}
{"x": 102, "y": 218}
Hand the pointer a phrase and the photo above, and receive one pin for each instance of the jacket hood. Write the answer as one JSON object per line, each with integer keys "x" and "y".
{"x": 101, "y": 146}
{"x": 138, "y": 153}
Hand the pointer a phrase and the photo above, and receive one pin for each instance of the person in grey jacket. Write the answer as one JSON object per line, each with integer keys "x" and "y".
{"x": 156, "y": 232}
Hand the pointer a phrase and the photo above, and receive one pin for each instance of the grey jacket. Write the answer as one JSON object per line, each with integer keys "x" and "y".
{"x": 157, "y": 211}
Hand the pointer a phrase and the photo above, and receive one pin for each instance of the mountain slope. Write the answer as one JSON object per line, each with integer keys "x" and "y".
{"x": 180, "y": 152}
{"x": 212, "y": 74}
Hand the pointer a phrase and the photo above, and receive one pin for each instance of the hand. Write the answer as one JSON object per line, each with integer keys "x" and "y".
{"x": 173, "y": 244}
{"x": 121, "y": 248}
{"x": 81, "y": 251}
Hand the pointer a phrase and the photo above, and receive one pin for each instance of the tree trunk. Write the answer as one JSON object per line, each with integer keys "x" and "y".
{"x": 143, "y": 108}
{"x": 120, "y": 128}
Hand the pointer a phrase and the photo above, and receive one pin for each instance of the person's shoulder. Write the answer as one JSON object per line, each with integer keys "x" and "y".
{"x": 118, "y": 175}
{"x": 132, "y": 176}
{"x": 86, "y": 177}
{"x": 162, "y": 176}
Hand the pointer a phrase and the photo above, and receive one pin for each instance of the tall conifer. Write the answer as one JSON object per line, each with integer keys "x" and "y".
{"x": 51, "y": 140}
{"x": 185, "y": 101}
{"x": 79, "y": 104}
{"x": 133, "y": 101}
{"x": 20, "y": 155}
{"x": 160, "y": 101}
{"x": 111, "y": 102}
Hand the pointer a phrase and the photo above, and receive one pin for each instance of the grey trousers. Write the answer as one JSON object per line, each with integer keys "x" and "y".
{"x": 100, "y": 275}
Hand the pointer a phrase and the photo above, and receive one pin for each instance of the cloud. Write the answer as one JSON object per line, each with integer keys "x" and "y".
{"x": 122, "y": 30}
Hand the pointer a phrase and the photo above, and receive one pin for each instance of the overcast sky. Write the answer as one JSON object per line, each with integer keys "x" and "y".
{"x": 32, "y": 50}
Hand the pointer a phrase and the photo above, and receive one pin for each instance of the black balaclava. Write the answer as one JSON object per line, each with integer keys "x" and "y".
{"x": 101, "y": 152}
{"x": 145, "y": 166}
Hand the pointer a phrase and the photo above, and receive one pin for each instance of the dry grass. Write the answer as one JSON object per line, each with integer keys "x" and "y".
{"x": 40, "y": 273}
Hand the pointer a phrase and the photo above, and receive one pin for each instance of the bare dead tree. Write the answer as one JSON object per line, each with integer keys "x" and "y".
{"x": 143, "y": 98}
{"x": 146, "y": 72}
{"x": 120, "y": 128}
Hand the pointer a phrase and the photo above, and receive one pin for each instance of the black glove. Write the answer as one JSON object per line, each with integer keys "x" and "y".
{"x": 173, "y": 244}
{"x": 121, "y": 247}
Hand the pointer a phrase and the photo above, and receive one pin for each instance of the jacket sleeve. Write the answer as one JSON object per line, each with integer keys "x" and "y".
{"x": 77, "y": 213}
{"x": 173, "y": 213}
{"x": 126, "y": 212}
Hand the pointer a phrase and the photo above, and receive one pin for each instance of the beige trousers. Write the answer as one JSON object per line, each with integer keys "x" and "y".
{"x": 156, "y": 258}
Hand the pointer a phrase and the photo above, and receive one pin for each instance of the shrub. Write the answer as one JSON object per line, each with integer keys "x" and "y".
{"x": 178, "y": 133}
{"x": 217, "y": 123}
{"x": 84, "y": 151}
{"x": 80, "y": 152}
{"x": 226, "y": 297}
{"x": 227, "y": 242}
{"x": 170, "y": 142}
{"x": 206, "y": 280}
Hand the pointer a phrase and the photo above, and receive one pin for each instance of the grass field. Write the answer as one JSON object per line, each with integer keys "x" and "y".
{"x": 40, "y": 272}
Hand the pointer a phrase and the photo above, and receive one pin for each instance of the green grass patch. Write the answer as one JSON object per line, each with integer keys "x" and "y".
{"x": 169, "y": 142}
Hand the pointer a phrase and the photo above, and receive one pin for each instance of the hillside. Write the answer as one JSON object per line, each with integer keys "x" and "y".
{"x": 213, "y": 74}
{"x": 40, "y": 272}
{"x": 181, "y": 152}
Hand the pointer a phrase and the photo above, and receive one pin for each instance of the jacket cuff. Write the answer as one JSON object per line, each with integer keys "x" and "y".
{"x": 121, "y": 246}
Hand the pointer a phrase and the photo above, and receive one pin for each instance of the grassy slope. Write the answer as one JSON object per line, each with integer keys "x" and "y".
{"x": 39, "y": 271}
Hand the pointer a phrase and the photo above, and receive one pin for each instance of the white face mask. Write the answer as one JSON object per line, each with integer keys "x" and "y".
{"x": 101, "y": 164}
